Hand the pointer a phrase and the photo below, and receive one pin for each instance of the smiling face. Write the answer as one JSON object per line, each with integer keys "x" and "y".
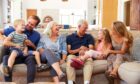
{"x": 83, "y": 28}
{"x": 55, "y": 29}
{"x": 19, "y": 25}
{"x": 100, "y": 35}
{"x": 47, "y": 20}
{"x": 113, "y": 31}
{"x": 31, "y": 24}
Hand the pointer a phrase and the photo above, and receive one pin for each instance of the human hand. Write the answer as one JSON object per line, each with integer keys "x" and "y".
{"x": 89, "y": 53}
{"x": 2, "y": 37}
{"x": 17, "y": 46}
{"x": 106, "y": 53}
{"x": 104, "y": 56}
{"x": 28, "y": 42}
{"x": 100, "y": 57}
{"x": 82, "y": 52}
{"x": 25, "y": 53}
{"x": 62, "y": 61}
{"x": 84, "y": 48}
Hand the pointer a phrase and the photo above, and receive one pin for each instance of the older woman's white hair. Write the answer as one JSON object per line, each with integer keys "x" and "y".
{"x": 48, "y": 28}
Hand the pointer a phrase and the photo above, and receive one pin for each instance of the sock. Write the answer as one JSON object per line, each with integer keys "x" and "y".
{"x": 70, "y": 82}
{"x": 86, "y": 82}
{"x": 39, "y": 65}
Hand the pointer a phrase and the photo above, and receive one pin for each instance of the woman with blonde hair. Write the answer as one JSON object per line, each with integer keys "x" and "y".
{"x": 122, "y": 41}
{"x": 52, "y": 46}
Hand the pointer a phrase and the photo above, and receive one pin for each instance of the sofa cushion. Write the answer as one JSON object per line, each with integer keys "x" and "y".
{"x": 99, "y": 66}
{"x": 130, "y": 72}
{"x": 136, "y": 49}
{"x": 46, "y": 83}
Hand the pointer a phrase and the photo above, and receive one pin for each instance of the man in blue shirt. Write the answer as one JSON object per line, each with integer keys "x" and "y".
{"x": 77, "y": 42}
{"x": 34, "y": 38}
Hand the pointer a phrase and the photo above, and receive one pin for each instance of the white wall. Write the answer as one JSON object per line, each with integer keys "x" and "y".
{"x": 1, "y": 25}
{"x": 4, "y": 13}
{"x": 52, "y": 4}
{"x": 15, "y": 9}
{"x": 91, "y": 11}
{"x": 121, "y": 10}
{"x": 55, "y": 4}
{"x": 54, "y": 13}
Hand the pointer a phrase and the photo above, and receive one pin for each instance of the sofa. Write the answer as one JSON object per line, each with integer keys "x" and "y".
{"x": 128, "y": 72}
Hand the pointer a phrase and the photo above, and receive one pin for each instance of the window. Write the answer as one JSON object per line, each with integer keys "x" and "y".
{"x": 71, "y": 17}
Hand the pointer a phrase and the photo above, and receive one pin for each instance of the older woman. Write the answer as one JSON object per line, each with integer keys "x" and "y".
{"x": 51, "y": 47}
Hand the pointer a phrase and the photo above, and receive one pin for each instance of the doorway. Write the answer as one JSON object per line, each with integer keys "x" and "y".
{"x": 127, "y": 13}
{"x": 31, "y": 12}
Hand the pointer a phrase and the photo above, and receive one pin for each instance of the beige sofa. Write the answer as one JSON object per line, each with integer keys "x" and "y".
{"x": 129, "y": 72}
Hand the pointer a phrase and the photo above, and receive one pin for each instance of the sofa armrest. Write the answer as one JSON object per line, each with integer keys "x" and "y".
{"x": 99, "y": 66}
{"x": 130, "y": 72}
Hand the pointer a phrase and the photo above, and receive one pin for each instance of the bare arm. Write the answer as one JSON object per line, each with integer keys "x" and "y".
{"x": 105, "y": 53}
{"x": 41, "y": 50}
{"x": 78, "y": 50}
{"x": 123, "y": 50}
{"x": 91, "y": 46}
{"x": 1, "y": 34}
{"x": 29, "y": 43}
{"x": 25, "y": 51}
{"x": 72, "y": 51}
{"x": 64, "y": 57}
{"x": 8, "y": 42}
{"x": 87, "y": 48}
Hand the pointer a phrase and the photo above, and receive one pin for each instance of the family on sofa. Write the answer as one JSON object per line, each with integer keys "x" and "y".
{"x": 77, "y": 49}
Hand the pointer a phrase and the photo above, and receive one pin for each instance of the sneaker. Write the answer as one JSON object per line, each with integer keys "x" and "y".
{"x": 42, "y": 67}
{"x": 5, "y": 70}
{"x": 77, "y": 63}
{"x": 62, "y": 76}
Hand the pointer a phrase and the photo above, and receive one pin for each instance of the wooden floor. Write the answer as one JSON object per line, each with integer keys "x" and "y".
{"x": 7, "y": 83}
{"x": 47, "y": 83}
{"x": 98, "y": 79}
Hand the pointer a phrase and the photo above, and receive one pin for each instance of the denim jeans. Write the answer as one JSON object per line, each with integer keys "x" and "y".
{"x": 31, "y": 67}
